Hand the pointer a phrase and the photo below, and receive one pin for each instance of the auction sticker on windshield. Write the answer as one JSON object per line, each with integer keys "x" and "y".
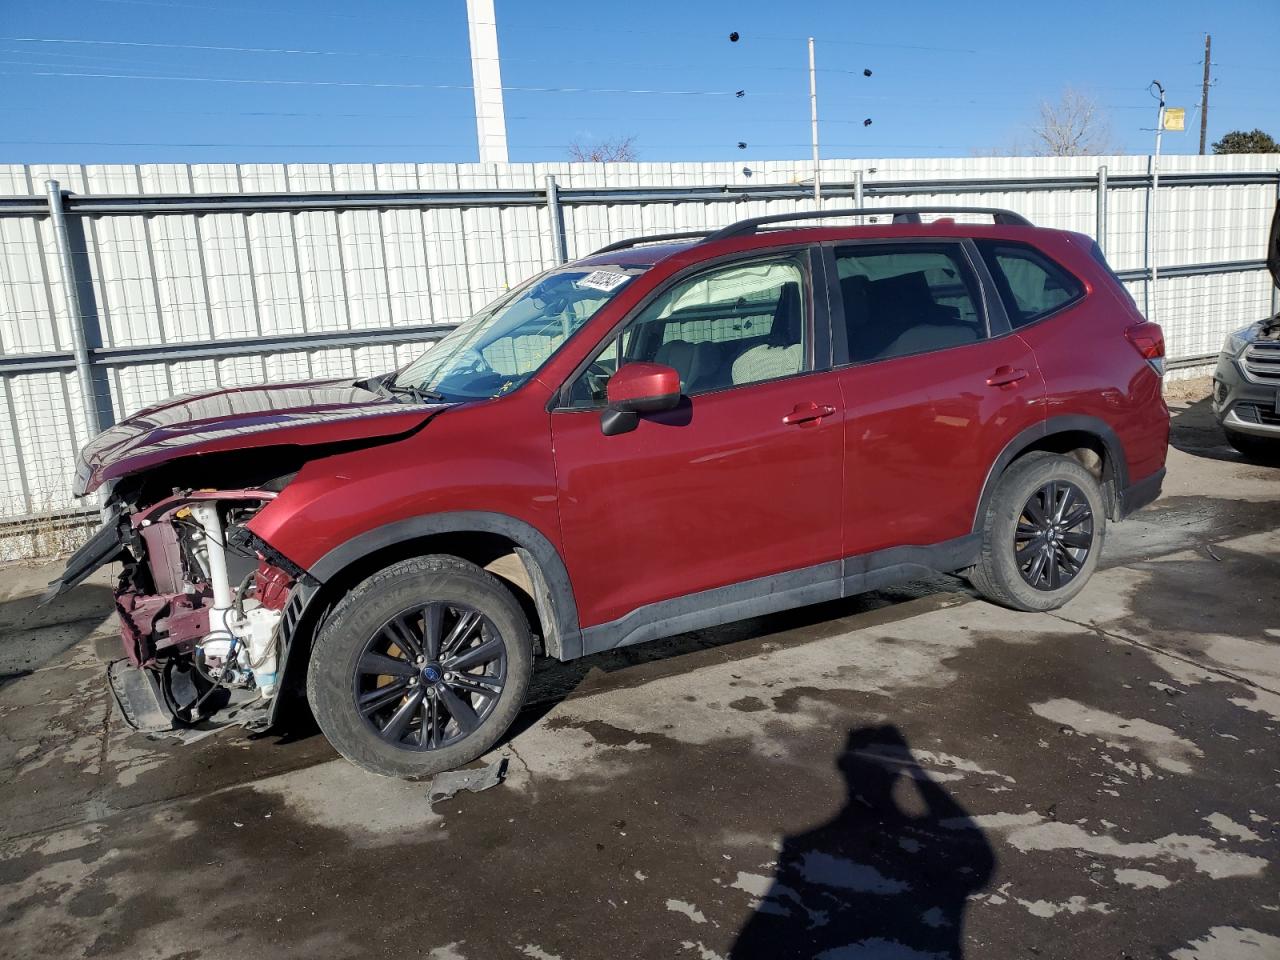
{"x": 605, "y": 280}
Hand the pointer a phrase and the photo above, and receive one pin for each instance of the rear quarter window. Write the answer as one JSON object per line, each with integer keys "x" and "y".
{"x": 1031, "y": 285}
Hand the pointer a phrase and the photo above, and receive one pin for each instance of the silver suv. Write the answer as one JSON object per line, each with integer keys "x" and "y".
{"x": 1246, "y": 384}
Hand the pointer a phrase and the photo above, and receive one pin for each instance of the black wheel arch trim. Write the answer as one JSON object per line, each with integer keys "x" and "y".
{"x": 1137, "y": 495}
{"x": 1065, "y": 423}
{"x": 555, "y": 603}
{"x": 553, "y": 593}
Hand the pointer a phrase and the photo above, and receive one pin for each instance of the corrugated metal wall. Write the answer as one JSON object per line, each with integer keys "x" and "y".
{"x": 187, "y": 278}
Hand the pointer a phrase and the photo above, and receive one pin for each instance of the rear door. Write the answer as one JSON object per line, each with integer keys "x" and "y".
{"x": 934, "y": 383}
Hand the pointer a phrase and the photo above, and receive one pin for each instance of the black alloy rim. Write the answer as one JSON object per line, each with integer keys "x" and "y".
{"x": 430, "y": 676}
{"x": 1054, "y": 535}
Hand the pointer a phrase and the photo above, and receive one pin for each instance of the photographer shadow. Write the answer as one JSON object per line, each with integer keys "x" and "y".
{"x": 889, "y": 876}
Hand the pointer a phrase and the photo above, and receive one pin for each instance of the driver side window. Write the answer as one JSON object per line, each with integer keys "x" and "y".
{"x": 730, "y": 326}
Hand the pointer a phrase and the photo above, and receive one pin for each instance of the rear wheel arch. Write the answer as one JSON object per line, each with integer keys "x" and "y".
{"x": 476, "y": 536}
{"x": 1086, "y": 439}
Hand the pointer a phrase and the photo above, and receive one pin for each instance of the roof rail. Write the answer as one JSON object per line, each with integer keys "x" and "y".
{"x": 745, "y": 228}
{"x": 653, "y": 238}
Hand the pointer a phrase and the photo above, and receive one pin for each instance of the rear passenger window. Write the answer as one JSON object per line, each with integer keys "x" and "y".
{"x": 901, "y": 299}
{"x": 1031, "y": 285}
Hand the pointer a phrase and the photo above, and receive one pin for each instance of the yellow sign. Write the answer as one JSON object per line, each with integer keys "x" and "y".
{"x": 1175, "y": 118}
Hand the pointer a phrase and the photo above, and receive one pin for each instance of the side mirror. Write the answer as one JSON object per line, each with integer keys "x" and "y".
{"x": 638, "y": 388}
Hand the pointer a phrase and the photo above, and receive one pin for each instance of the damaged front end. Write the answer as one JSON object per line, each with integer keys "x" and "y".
{"x": 200, "y": 601}
{"x": 200, "y": 597}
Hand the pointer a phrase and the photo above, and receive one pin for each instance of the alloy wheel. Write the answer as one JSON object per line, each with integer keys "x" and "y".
{"x": 430, "y": 676}
{"x": 1054, "y": 535}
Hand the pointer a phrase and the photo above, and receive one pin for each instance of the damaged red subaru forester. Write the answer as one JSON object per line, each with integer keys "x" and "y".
{"x": 672, "y": 433}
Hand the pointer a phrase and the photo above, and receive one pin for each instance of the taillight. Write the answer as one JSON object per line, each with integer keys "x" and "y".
{"x": 1148, "y": 340}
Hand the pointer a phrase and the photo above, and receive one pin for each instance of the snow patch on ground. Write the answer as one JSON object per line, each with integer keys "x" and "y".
{"x": 1201, "y": 852}
{"x": 829, "y": 871}
{"x": 1229, "y": 828}
{"x": 1165, "y": 748}
{"x": 1142, "y": 879}
{"x": 688, "y": 909}
{"x": 1231, "y": 943}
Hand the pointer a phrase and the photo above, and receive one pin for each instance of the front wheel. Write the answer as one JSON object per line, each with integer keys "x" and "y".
{"x": 1042, "y": 534}
{"x": 421, "y": 668}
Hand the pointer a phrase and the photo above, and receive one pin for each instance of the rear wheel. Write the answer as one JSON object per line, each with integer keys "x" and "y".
{"x": 1260, "y": 449}
{"x": 1042, "y": 534}
{"x": 421, "y": 668}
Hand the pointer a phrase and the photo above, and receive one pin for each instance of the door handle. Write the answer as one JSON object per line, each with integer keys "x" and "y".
{"x": 1006, "y": 376}
{"x": 807, "y": 413}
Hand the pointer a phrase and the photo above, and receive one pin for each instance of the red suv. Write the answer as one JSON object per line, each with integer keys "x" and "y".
{"x": 672, "y": 433}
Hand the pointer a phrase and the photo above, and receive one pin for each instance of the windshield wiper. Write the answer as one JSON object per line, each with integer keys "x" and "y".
{"x": 419, "y": 394}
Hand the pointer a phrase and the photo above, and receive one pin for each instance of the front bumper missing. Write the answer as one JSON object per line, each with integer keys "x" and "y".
{"x": 140, "y": 700}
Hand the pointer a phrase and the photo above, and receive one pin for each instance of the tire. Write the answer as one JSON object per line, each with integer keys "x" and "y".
{"x": 1070, "y": 549}
{"x": 1259, "y": 449}
{"x": 382, "y": 701}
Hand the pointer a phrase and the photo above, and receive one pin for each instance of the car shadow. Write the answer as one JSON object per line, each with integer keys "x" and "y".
{"x": 32, "y": 636}
{"x": 889, "y": 875}
{"x": 553, "y": 680}
{"x": 1194, "y": 430}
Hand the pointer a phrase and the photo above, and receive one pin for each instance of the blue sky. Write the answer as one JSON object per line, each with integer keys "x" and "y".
{"x": 389, "y": 80}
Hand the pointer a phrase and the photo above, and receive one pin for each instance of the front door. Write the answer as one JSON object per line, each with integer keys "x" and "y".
{"x": 740, "y": 482}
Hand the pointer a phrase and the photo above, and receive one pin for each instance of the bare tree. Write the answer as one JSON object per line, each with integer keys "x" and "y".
{"x": 1075, "y": 126}
{"x": 613, "y": 150}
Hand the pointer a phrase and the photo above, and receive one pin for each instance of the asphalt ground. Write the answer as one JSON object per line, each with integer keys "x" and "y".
{"x": 910, "y": 774}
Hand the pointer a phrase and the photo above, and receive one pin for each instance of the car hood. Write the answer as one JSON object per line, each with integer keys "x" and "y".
{"x": 301, "y": 414}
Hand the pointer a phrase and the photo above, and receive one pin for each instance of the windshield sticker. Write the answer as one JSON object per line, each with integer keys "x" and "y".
{"x": 605, "y": 280}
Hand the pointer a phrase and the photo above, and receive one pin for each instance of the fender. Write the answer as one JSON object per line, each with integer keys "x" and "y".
{"x": 559, "y": 594}
{"x": 553, "y": 593}
{"x": 1066, "y": 423}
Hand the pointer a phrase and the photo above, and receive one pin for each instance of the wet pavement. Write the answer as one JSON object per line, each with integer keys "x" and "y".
{"x": 911, "y": 774}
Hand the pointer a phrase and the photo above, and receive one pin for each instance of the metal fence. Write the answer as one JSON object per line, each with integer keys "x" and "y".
{"x": 131, "y": 284}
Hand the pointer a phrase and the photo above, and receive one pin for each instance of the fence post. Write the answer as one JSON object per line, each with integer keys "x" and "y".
{"x": 79, "y": 343}
{"x": 559, "y": 249}
{"x": 1100, "y": 227}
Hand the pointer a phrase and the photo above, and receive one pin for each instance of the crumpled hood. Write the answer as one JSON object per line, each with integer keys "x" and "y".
{"x": 301, "y": 414}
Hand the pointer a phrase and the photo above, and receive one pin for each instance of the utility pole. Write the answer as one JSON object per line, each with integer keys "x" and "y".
{"x": 1204, "y": 96}
{"x": 1152, "y": 223}
{"x": 486, "y": 81}
{"x": 813, "y": 122}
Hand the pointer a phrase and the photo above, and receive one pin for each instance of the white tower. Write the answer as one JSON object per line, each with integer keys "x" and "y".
{"x": 486, "y": 76}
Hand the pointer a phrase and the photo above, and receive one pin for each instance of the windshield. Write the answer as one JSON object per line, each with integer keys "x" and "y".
{"x": 504, "y": 345}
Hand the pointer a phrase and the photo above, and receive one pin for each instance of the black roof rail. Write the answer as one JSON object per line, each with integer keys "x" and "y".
{"x": 653, "y": 238}
{"x": 745, "y": 228}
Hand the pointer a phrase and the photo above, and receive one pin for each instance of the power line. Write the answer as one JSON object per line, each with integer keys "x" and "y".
{"x": 903, "y": 101}
{"x": 232, "y": 49}
{"x": 386, "y": 84}
{"x": 525, "y": 28}
{"x": 381, "y": 55}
